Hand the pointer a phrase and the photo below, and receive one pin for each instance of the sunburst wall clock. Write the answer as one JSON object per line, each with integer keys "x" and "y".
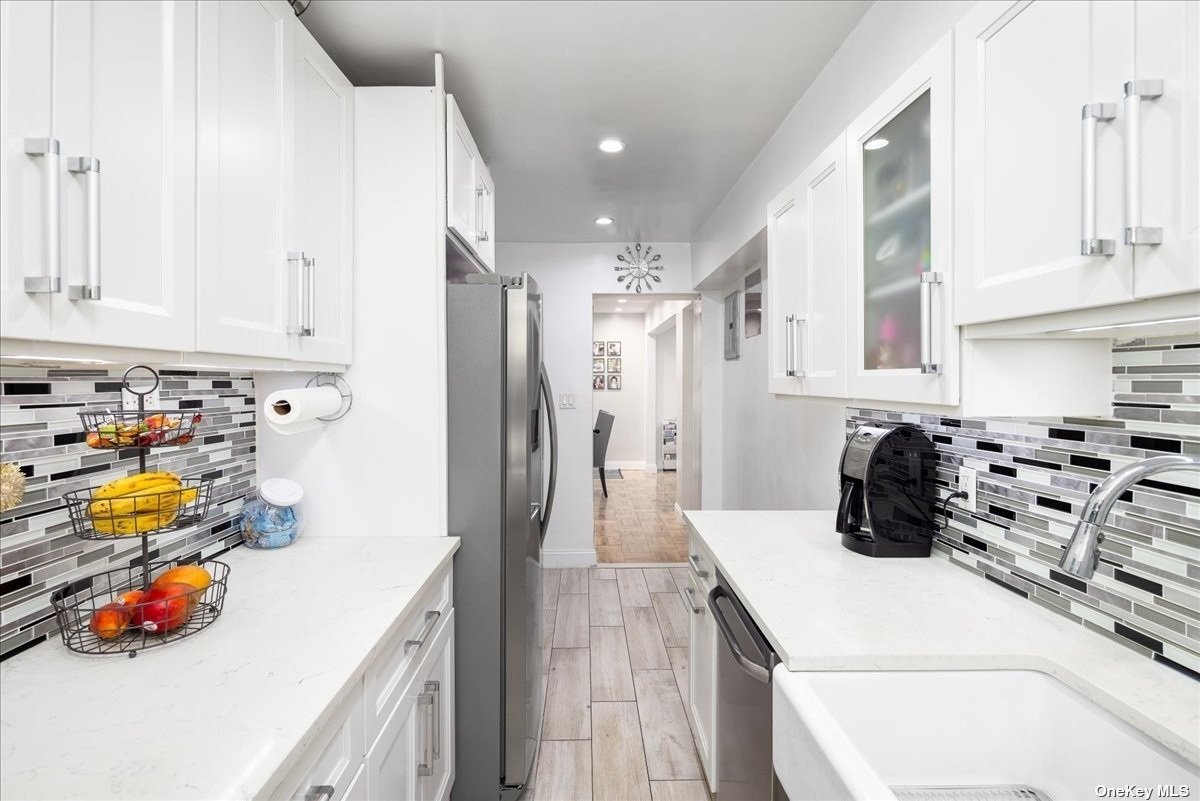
{"x": 637, "y": 269}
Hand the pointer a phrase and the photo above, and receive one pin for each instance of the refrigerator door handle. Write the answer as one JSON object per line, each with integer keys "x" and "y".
{"x": 756, "y": 671}
{"x": 552, "y": 423}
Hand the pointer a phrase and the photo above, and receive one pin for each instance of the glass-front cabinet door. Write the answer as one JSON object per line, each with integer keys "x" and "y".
{"x": 905, "y": 347}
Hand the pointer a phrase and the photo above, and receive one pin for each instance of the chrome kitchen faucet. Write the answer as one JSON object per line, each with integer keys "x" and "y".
{"x": 1083, "y": 549}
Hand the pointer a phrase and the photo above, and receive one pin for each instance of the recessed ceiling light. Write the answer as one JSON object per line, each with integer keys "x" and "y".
{"x": 620, "y": 300}
{"x": 878, "y": 143}
{"x": 612, "y": 145}
{"x": 604, "y": 221}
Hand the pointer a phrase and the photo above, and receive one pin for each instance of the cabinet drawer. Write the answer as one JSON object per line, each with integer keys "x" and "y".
{"x": 331, "y": 762}
{"x": 397, "y": 660}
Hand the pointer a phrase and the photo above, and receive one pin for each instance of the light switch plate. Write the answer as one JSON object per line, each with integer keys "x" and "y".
{"x": 566, "y": 400}
{"x": 967, "y": 483}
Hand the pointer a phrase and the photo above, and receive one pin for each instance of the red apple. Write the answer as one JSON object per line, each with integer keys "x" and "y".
{"x": 164, "y": 608}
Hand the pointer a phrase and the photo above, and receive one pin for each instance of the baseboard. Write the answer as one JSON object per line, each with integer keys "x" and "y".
{"x": 611, "y": 465}
{"x": 575, "y": 557}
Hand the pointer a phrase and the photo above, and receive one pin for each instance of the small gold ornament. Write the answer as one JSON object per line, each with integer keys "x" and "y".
{"x": 12, "y": 486}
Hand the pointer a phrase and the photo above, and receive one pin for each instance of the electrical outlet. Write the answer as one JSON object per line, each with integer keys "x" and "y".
{"x": 966, "y": 483}
{"x": 129, "y": 401}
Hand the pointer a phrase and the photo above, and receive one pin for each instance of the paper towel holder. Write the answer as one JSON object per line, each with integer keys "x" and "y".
{"x": 339, "y": 383}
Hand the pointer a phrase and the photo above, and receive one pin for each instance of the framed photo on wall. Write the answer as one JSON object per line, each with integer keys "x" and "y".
{"x": 614, "y": 348}
{"x": 597, "y": 366}
{"x": 597, "y": 383}
{"x": 614, "y": 365}
{"x": 614, "y": 382}
{"x": 597, "y": 348}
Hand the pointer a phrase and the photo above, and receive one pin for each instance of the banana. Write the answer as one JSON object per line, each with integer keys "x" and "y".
{"x": 136, "y": 524}
{"x": 132, "y": 484}
{"x": 157, "y": 498}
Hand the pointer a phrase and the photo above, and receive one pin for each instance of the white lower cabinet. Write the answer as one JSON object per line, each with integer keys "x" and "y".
{"x": 702, "y": 661}
{"x": 392, "y": 739}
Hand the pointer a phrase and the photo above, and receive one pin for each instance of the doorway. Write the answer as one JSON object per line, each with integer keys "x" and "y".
{"x": 644, "y": 365}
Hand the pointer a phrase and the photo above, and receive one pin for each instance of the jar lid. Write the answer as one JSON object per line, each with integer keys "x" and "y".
{"x": 281, "y": 492}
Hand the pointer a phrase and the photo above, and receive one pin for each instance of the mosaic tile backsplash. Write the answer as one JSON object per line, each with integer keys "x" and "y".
{"x": 40, "y": 431}
{"x": 1034, "y": 475}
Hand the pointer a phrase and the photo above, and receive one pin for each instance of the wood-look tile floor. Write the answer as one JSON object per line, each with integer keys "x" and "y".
{"x": 615, "y": 664}
{"x": 637, "y": 522}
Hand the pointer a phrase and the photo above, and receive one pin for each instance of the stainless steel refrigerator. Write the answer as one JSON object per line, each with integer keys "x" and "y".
{"x": 502, "y": 443}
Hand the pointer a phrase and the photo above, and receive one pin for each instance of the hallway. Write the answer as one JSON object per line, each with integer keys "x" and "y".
{"x": 637, "y": 522}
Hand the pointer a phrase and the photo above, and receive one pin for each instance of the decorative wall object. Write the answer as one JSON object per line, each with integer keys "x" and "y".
{"x": 598, "y": 383}
{"x": 598, "y": 348}
{"x": 637, "y": 269}
{"x": 614, "y": 365}
{"x": 39, "y": 426}
{"x": 597, "y": 366}
{"x": 614, "y": 348}
{"x": 1034, "y": 477}
{"x": 614, "y": 382}
{"x": 12, "y": 486}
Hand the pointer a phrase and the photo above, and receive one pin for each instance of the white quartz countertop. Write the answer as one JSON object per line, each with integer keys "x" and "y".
{"x": 824, "y": 607}
{"x": 224, "y": 714}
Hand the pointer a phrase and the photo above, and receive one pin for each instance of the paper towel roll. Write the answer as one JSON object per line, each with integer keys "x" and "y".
{"x": 291, "y": 411}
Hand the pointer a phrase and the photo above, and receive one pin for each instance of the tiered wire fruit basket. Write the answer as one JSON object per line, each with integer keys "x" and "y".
{"x": 147, "y": 604}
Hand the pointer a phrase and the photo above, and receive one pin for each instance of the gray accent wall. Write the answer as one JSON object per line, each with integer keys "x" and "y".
{"x": 40, "y": 431}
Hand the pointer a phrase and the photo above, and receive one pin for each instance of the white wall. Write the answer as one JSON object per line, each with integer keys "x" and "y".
{"x": 381, "y": 470}
{"x": 626, "y": 448}
{"x": 888, "y": 39}
{"x": 569, "y": 274}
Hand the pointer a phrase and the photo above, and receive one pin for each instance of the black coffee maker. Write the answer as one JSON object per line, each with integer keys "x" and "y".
{"x": 888, "y": 493}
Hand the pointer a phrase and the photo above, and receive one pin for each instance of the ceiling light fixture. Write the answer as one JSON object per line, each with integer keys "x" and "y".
{"x": 604, "y": 221}
{"x": 622, "y": 300}
{"x": 878, "y": 143}
{"x": 611, "y": 145}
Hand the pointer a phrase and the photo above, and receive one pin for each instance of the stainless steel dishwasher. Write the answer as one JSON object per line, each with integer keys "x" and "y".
{"x": 743, "y": 732}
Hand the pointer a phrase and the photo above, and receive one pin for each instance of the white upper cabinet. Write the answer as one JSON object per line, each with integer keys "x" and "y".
{"x": 470, "y": 193}
{"x": 1165, "y": 151}
{"x": 902, "y": 339}
{"x": 125, "y": 117}
{"x": 806, "y": 280}
{"x": 1063, "y": 183}
{"x": 29, "y": 195}
{"x": 244, "y": 166}
{"x": 324, "y": 232}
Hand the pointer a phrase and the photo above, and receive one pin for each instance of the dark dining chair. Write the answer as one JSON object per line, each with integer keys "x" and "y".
{"x": 600, "y": 436}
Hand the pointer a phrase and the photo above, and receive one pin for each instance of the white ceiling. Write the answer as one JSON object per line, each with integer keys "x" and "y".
{"x": 632, "y": 304}
{"x": 695, "y": 88}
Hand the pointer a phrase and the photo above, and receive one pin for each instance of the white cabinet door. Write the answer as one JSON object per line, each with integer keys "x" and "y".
{"x": 1165, "y": 147}
{"x": 439, "y": 681}
{"x": 806, "y": 253}
{"x": 485, "y": 193}
{"x": 903, "y": 343}
{"x": 29, "y": 184}
{"x": 1024, "y": 71}
{"x": 702, "y": 663}
{"x": 125, "y": 115}
{"x": 244, "y": 162}
{"x": 461, "y": 173}
{"x": 324, "y": 186}
{"x": 391, "y": 762}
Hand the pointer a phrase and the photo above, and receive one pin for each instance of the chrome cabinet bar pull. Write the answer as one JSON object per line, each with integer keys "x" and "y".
{"x": 425, "y": 704}
{"x": 696, "y": 610}
{"x": 789, "y": 345}
{"x": 1089, "y": 245}
{"x": 435, "y": 687}
{"x": 798, "y": 347}
{"x": 296, "y": 326}
{"x": 695, "y": 560}
{"x": 310, "y": 291}
{"x": 431, "y": 619}
{"x": 90, "y": 168}
{"x": 51, "y": 278}
{"x": 319, "y": 792}
{"x": 1135, "y": 93}
{"x": 928, "y": 365}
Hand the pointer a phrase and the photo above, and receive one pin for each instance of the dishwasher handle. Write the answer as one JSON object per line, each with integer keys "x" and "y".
{"x": 756, "y": 670}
